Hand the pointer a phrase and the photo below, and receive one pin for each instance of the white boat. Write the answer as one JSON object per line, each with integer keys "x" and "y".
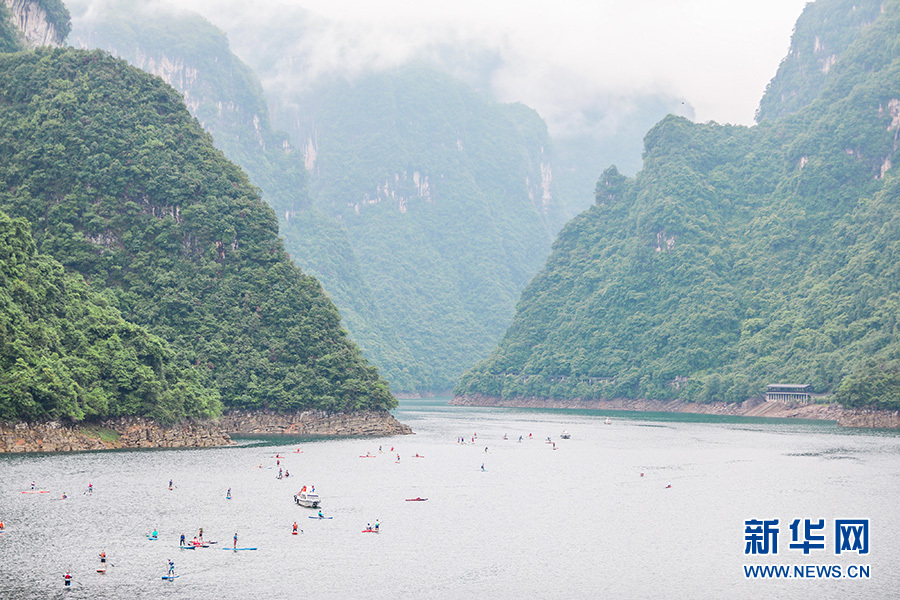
{"x": 307, "y": 498}
{"x": 565, "y": 434}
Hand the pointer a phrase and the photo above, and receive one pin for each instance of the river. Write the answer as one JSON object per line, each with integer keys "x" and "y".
{"x": 580, "y": 521}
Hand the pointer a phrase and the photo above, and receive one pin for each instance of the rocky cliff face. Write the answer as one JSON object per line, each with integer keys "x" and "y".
{"x": 35, "y": 23}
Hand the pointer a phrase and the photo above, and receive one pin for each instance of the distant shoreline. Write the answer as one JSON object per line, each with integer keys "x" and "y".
{"x": 140, "y": 432}
{"x": 755, "y": 407}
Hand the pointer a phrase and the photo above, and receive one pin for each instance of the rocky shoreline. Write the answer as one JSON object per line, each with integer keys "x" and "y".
{"x": 755, "y": 407}
{"x": 138, "y": 432}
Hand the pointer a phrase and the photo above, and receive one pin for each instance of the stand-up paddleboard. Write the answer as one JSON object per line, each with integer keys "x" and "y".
{"x": 187, "y": 547}
{"x": 315, "y": 517}
{"x": 361, "y": 456}
{"x": 170, "y": 577}
{"x": 36, "y": 492}
{"x": 416, "y": 499}
{"x": 236, "y": 549}
{"x": 151, "y": 537}
{"x": 293, "y": 533}
{"x": 370, "y": 531}
{"x": 101, "y": 570}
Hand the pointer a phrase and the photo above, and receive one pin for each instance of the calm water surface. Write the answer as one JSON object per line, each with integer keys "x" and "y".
{"x": 575, "y": 522}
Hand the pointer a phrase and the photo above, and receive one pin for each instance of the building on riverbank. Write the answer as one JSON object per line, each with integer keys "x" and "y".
{"x": 789, "y": 392}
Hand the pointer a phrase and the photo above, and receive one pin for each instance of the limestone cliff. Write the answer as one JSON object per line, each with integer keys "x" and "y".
{"x": 43, "y": 22}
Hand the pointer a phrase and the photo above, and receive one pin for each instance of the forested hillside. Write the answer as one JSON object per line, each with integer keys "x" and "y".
{"x": 66, "y": 353}
{"x": 430, "y": 207}
{"x": 122, "y": 185}
{"x": 737, "y": 256}
{"x": 447, "y": 200}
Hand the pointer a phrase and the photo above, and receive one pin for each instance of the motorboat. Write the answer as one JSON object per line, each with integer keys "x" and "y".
{"x": 308, "y": 498}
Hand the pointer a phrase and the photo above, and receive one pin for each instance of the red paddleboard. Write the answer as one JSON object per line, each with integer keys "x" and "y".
{"x": 37, "y": 492}
{"x": 294, "y": 532}
{"x": 370, "y": 531}
{"x": 101, "y": 570}
{"x": 416, "y": 499}
{"x": 361, "y": 456}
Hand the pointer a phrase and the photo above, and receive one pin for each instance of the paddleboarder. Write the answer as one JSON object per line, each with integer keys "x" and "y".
{"x": 2, "y": 526}
{"x": 181, "y": 542}
{"x": 68, "y": 578}
{"x": 171, "y": 568}
{"x": 90, "y": 488}
{"x": 201, "y": 535}
{"x": 235, "y": 540}
{"x": 170, "y": 484}
{"x": 102, "y": 557}
{"x": 228, "y": 494}
{"x": 295, "y": 525}
{"x": 377, "y": 525}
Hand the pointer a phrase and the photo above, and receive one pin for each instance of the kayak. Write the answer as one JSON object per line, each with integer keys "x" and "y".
{"x": 312, "y": 517}
{"x": 416, "y": 499}
{"x": 236, "y": 549}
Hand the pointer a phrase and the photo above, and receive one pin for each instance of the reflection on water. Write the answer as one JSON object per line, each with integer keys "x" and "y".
{"x": 592, "y": 518}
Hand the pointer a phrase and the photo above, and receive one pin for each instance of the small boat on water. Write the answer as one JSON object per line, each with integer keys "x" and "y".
{"x": 307, "y": 498}
{"x": 565, "y": 434}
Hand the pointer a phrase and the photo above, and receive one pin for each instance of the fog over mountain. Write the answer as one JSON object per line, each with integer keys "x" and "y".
{"x": 563, "y": 58}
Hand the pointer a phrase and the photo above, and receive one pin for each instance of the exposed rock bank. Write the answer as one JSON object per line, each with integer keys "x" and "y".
{"x": 130, "y": 432}
{"x": 751, "y": 408}
{"x": 135, "y": 432}
{"x": 363, "y": 423}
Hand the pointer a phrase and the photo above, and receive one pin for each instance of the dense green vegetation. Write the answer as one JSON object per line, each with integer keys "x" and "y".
{"x": 737, "y": 257}
{"x": 821, "y": 35}
{"x": 424, "y": 292}
{"x": 57, "y": 15}
{"x": 10, "y": 36}
{"x": 122, "y": 185}
{"x": 66, "y": 353}
{"x": 445, "y": 200}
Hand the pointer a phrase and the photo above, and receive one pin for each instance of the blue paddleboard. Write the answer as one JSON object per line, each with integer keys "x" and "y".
{"x": 236, "y": 549}
{"x": 170, "y": 577}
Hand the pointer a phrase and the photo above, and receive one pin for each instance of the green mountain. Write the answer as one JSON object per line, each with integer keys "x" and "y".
{"x": 429, "y": 206}
{"x": 66, "y": 353}
{"x": 448, "y": 204}
{"x": 737, "y": 256}
{"x": 123, "y": 186}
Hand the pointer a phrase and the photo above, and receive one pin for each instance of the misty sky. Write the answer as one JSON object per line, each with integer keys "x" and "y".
{"x": 562, "y": 56}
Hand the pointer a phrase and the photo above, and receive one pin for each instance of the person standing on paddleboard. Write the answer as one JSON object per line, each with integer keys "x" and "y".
{"x": 235, "y": 540}
{"x": 68, "y": 578}
{"x": 181, "y": 543}
{"x": 295, "y": 526}
{"x": 102, "y": 557}
{"x": 171, "y": 568}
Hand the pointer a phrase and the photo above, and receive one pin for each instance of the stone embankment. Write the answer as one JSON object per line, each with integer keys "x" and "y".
{"x": 135, "y": 432}
{"x": 754, "y": 407}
